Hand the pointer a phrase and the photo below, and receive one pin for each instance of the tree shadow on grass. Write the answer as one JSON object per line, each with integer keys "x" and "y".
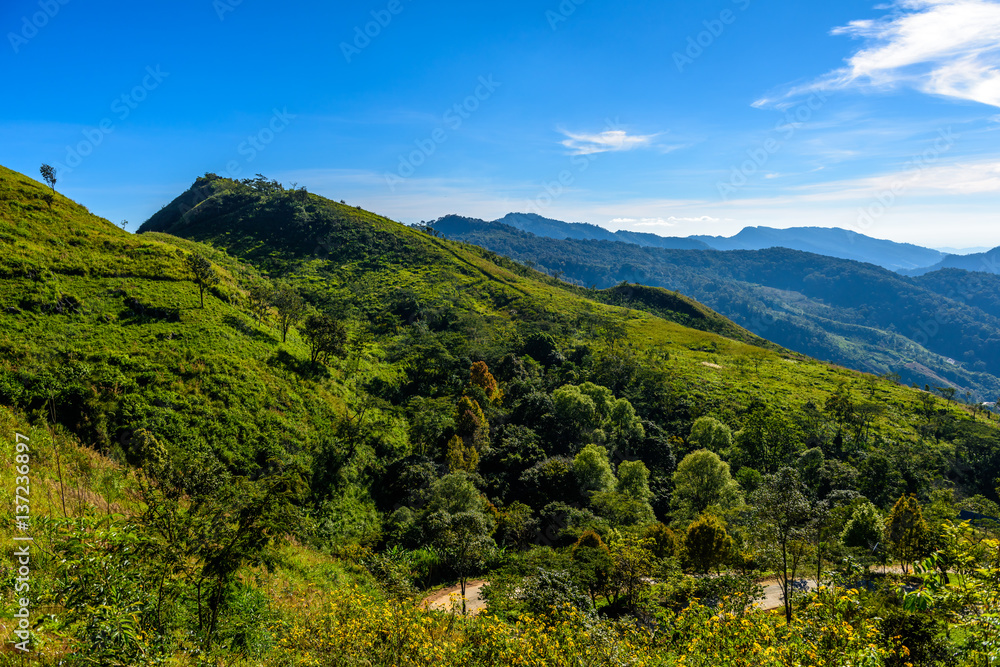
{"x": 301, "y": 367}
{"x": 249, "y": 330}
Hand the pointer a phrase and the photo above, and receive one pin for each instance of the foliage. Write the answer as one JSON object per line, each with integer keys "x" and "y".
{"x": 249, "y": 453}
{"x": 702, "y": 480}
{"x": 706, "y": 543}
{"x": 711, "y": 434}
{"x": 325, "y": 336}
{"x": 784, "y": 509}
{"x": 906, "y": 531}
{"x": 203, "y": 273}
{"x": 865, "y": 530}
{"x": 593, "y": 471}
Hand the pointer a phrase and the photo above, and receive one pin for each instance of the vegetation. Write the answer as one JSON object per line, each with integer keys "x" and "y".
{"x": 929, "y": 330}
{"x": 207, "y": 491}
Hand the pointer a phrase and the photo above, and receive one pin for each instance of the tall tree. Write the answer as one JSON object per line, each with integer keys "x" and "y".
{"x": 711, "y": 434}
{"x": 707, "y": 543}
{"x": 290, "y": 306}
{"x": 593, "y": 470}
{"x": 907, "y": 531}
{"x": 48, "y": 173}
{"x": 457, "y": 516}
{"x": 480, "y": 376}
{"x": 325, "y": 335}
{"x": 259, "y": 298}
{"x": 592, "y": 564}
{"x": 204, "y": 274}
{"x": 784, "y": 511}
{"x": 702, "y": 480}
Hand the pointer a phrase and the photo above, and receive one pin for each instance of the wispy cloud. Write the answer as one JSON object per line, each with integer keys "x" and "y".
{"x": 661, "y": 222}
{"x": 605, "y": 142}
{"x": 940, "y": 47}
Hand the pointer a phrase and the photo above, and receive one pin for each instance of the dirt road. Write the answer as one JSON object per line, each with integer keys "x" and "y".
{"x": 772, "y": 594}
{"x": 450, "y": 599}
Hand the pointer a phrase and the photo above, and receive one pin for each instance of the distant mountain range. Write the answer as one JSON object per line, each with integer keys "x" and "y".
{"x": 940, "y": 329}
{"x": 555, "y": 229}
{"x": 832, "y": 242}
{"x": 906, "y": 258}
{"x": 983, "y": 262}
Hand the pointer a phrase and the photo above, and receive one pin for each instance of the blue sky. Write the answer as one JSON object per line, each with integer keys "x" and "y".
{"x": 669, "y": 117}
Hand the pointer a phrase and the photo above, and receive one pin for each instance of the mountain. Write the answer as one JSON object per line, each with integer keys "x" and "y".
{"x": 832, "y": 242}
{"x": 841, "y": 243}
{"x": 536, "y": 224}
{"x": 983, "y": 262}
{"x": 846, "y": 312}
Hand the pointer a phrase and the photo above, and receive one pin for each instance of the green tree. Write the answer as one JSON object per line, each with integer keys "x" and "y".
{"x": 702, "y": 480}
{"x": 48, "y": 173}
{"x": 593, "y": 471}
{"x": 663, "y": 542}
{"x": 516, "y": 525}
{"x": 457, "y": 516}
{"x": 461, "y": 457}
{"x": 204, "y": 274}
{"x": 325, "y": 336}
{"x": 706, "y": 543}
{"x": 711, "y": 434}
{"x": 784, "y": 511}
{"x": 259, "y": 297}
{"x": 623, "y": 426}
{"x": 865, "y": 530}
{"x": 290, "y": 306}
{"x": 633, "y": 480}
{"x": 766, "y": 441}
{"x": 592, "y": 564}
{"x": 574, "y": 409}
{"x": 601, "y": 396}
{"x": 631, "y": 565}
{"x": 907, "y": 532}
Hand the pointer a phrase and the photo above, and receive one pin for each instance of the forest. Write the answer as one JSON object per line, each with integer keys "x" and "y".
{"x": 266, "y": 428}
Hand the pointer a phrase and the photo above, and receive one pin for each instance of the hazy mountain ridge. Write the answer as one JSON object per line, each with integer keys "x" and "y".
{"x": 980, "y": 262}
{"x": 832, "y": 242}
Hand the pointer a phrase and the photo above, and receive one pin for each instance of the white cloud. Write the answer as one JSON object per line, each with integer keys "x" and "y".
{"x": 669, "y": 221}
{"x": 940, "y": 47}
{"x": 604, "y": 142}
